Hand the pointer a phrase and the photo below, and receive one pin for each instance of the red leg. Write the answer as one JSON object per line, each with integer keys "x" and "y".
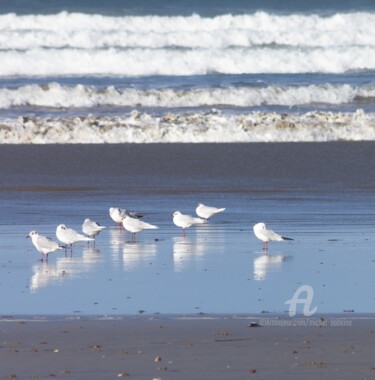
{"x": 183, "y": 232}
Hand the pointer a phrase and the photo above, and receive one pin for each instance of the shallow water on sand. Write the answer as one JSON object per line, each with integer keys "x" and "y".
{"x": 321, "y": 195}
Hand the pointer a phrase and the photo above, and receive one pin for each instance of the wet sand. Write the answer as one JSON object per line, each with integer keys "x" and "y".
{"x": 186, "y": 348}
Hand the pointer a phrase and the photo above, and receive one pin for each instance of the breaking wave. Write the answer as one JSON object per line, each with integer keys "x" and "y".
{"x": 55, "y": 95}
{"x": 212, "y": 126}
{"x": 66, "y": 44}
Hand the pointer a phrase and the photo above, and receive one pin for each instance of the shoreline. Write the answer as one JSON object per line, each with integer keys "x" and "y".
{"x": 183, "y": 316}
{"x": 169, "y": 348}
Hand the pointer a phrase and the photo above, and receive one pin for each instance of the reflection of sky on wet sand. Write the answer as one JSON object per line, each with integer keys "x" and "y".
{"x": 218, "y": 268}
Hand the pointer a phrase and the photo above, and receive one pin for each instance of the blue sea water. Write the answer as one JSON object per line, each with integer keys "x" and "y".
{"x": 246, "y": 61}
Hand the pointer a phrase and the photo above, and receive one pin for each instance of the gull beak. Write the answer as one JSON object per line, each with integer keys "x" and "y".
{"x": 27, "y": 236}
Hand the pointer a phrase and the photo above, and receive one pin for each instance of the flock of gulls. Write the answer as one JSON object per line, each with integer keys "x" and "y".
{"x": 131, "y": 221}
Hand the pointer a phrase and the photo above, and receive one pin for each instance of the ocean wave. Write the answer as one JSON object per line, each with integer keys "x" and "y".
{"x": 150, "y": 62}
{"x": 212, "y": 127}
{"x": 57, "y": 96}
{"x": 83, "y": 44}
{"x": 97, "y": 31}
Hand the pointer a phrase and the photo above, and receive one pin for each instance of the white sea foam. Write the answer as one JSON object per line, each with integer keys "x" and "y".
{"x": 60, "y": 96}
{"x": 97, "y": 31}
{"x": 83, "y": 44}
{"x": 212, "y": 126}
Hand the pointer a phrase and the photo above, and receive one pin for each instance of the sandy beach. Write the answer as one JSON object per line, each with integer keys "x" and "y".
{"x": 262, "y": 108}
{"x": 204, "y": 347}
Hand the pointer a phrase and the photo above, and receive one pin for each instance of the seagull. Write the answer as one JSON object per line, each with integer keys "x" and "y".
{"x": 118, "y": 214}
{"x": 206, "y": 212}
{"x": 135, "y": 225}
{"x": 91, "y": 228}
{"x": 44, "y": 244}
{"x": 185, "y": 221}
{"x": 266, "y": 235}
{"x": 69, "y": 236}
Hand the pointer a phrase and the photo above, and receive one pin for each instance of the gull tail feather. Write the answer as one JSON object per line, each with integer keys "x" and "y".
{"x": 199, "y": 221}
{"x": 286, "y": 238}
{"x": 151, "y": 226}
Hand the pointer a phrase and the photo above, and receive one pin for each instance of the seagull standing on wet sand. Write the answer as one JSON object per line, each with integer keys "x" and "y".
{"x": 91, "y": 228}
{"x": 206, "y": 212}
{"x": 135, "y": 225}
{"x": 118, "y": 214}
{"x": 185, "y": 221}
{"x": 44, "y": 244}
{"x": 69, "y": 236}
{"x": 266, "y": 235}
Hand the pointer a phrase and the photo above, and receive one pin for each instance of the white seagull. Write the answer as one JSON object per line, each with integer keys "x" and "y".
{"x": 266, "y": 235}
{"x": 44, "y": 244}
{"x": 118, "y": 214}
{"x": 185, "y": 221}
{"x": 69, "y": 236}
{"x": 91, "y": 228}
{"x": 135, "y": 225}
{"x": 206, "y": 212}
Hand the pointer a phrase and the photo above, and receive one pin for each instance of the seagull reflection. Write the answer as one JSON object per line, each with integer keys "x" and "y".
{"x": 137, "y": 254}
{"x": 46, "y": 274}
{"x": 264, "y": 264}
{"x": 90, "y": 255}
{"x": 187, "y": 253}
{"x": 117, "y": 237}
